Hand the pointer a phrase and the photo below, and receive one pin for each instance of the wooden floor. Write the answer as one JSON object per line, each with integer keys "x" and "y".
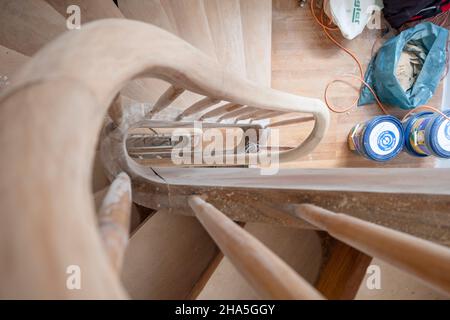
{"x": 303, "y": 62}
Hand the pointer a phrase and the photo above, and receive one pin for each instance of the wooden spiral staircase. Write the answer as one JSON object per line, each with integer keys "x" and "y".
{"x": 103, "y": 91}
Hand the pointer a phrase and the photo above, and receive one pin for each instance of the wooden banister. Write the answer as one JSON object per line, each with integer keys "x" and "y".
{"x": 270, "y": 276}
{"x": 423, "y": 259}
{"x": 229, "y": 107}
{"x": 64, "y": 92}
{"x": 49, "y": 122}
{"x": 197, "y": 107}
{"x": 268, "y": 114}
{"x": 114, "y": 219}
{"x": 236, "y": 113}
{"x": 254, "y": 115}
{"x": 166, "y": 99}
{"x": 290, "y": 122}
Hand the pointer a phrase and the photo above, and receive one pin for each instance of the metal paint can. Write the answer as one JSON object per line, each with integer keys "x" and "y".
{"x": 379, "y": 139}
{"x": 426, "y": 134}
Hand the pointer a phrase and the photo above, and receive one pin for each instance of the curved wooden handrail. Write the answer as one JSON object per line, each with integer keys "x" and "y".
{"x": 114, "y": 219}
{"x": 49, "y": 122}
{"x": 106, "y": 54}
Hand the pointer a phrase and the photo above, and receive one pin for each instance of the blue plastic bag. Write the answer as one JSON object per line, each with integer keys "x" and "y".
{"x": 381, "y": 72}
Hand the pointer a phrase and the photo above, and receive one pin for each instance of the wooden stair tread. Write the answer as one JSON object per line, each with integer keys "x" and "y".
{"x": 166, "y": 257}
{"x": 256, "y": 16}
{"x": 160, "y": 13}
{"x": 26, "y": 26}
{"x": 151, "y": 11}
{"x": 144, "y": 90}
{"x": 10, "y": 61}
{"x": 191, "y": 23}
{"x": 224, "y": 20}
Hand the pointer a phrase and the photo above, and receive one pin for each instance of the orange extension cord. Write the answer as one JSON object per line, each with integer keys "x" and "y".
{"x": 326, "y": 29}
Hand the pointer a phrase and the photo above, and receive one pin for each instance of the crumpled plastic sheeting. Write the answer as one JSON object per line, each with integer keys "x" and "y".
{"x": 410, "y": 64}
{"x": 381, "y": 72}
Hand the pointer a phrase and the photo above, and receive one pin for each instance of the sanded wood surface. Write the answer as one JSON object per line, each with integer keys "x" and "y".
{"x": 192, "y": 23}
{"x": 92, "y": 84}
{"x": 158, "y": 13}
{"x": 423, "y": 259}
{"x": 10, "y": 61}
{"x": 166, "y": 99}
{"x": 198, "y": 106}
{"x": 143, "y": 90}
{"x": 256, "y": 20}
{"x": 114, "y": 219}
{"x": 300, "y": 249}
{"x": 166, "y": 257}
{"x": 150, "y": 11}
{"x": 26, "y": 26}
{"x": 268, "y": 275}
{"x": 400, "y": 205}
{"x": 189, "y": 20}
{"x": 224, "y": 20}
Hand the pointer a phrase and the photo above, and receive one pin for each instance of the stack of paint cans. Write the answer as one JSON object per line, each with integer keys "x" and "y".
{"x": 379, "y": 139}
{"x": 427, "y": 134}
{"x": 422, "y": 134}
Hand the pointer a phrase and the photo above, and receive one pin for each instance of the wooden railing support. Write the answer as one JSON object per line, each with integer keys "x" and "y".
{"x": 201, "y": 105}
{"x": 423, "y": 259}
{"x": 270, "y": 276}
{"x": 166, "y": 99}
{"x": 114, "y": 219}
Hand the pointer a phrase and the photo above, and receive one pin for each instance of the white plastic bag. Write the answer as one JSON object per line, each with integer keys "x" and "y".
{"x": 351, "y": 16}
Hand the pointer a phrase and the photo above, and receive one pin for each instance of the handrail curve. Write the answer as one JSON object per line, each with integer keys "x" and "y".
{"x": 50, "y": 118}
{"x": 105, "y": 55}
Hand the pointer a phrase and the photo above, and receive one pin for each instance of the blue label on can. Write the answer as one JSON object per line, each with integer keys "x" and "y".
{"x": 387, "y": 140}
{"x": 379, "y": 139}
{"x": 447, "y": 131}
